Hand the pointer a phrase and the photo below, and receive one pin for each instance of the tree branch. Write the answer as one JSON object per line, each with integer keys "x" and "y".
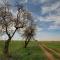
{"x": 14, "y": 32}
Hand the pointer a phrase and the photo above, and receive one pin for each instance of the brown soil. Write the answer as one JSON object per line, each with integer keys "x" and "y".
{"x": 48, "y": 54}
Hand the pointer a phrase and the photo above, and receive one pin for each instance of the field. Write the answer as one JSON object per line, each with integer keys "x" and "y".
{"x": 53, "y": 48}
{"x": 35, "y": 50}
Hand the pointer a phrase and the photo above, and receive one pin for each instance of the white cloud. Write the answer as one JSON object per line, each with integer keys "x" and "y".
{"x": 13, "y": 12}
{"x": 54, "y": 27}
{"x": 24, "y": 1}
{"x": 53, "y": 7}
{"x": 1, "y": 2}
{"x": 51, "y": 18}
{"x": 54, "y": 19}
{"x": 38, "y": 29}
{"x": 39, "y": 1}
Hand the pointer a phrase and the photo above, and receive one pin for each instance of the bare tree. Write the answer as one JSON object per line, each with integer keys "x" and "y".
{"x": 29, "y": 31}
{"x": 7, "y": 22}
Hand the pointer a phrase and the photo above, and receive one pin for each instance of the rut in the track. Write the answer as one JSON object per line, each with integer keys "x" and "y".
{"x": 47, "y": 53}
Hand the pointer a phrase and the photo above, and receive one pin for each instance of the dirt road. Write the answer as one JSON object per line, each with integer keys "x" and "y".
{"x": 47, "y": 53}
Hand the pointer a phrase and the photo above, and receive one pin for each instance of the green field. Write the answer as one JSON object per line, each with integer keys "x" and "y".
{"x": 55, "y": 48}
{"x": 53, "y": 45}
{"x": 18, "y": 52}
{"x": 32, "y": 52}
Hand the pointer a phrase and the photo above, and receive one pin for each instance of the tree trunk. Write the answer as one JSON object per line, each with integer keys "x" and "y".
{"x": 6, "y": 47}
{"x": 26, "y": 43}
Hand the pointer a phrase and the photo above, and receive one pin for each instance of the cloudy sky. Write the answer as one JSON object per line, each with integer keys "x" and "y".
{"x": 46, "y": 14}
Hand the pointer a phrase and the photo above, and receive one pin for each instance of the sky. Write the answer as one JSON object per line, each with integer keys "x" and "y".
{"x": 46, "y": 14}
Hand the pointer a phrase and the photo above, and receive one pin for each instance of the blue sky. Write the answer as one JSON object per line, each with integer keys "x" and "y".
{"x": 46, "y": 14}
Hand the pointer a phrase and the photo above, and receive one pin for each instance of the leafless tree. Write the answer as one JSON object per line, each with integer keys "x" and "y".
{"x": 7, "y": 22}
{"x": 29, "y": 31}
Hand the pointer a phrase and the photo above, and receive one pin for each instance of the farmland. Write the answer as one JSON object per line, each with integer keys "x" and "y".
{"x": 35, "y": 50}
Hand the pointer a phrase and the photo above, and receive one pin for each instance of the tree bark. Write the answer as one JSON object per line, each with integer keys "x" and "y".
{"x": 6, "y": 46}
{"x": 6, "y": 49}
{"x": 27, "y": 42}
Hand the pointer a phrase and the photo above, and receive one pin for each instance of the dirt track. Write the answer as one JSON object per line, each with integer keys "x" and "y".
{"x": 47, "y": 53}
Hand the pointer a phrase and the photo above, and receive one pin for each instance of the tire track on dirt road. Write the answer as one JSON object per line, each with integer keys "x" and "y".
{"x": 52, "y": 51}
{"x": 49, "y": 56}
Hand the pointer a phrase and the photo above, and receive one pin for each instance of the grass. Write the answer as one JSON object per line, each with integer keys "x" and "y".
{"x": 55, "y": 45}
{"x": 1, "y": 47}
{"x": 32, "y": 52}
{"x": 18, "y": 52}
